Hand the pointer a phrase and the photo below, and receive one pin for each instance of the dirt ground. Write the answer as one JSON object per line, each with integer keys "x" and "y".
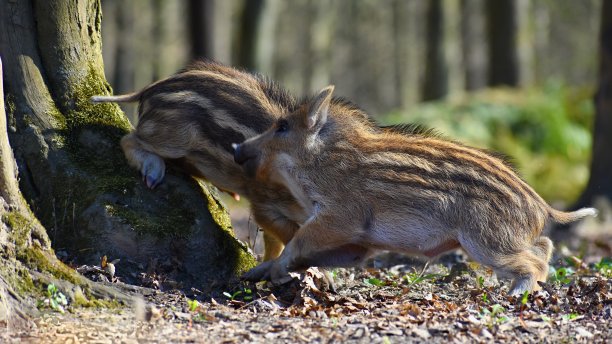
{"x": 390, "y": 301}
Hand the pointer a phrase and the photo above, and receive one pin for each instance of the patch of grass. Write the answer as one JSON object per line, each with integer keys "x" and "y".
{"x": 193, "y": 305}
{"x": 485, "y": 298}
{"x": 569, "y": 316}
{"x": 604, "y": 267}
{"x": 246, "y": 294}
{"x": 561, "y": 275}
{"x": 416, "y": 277}
{"x": 494, "y": 315}
{"x": 480, "y": 281}
{"x": 373, "y": 281}
{"x": 198, "y": 314}
{"x": 55, "y": 299}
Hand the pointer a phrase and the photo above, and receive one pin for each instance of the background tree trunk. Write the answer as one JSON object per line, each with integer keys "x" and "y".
{"x": 474, "y": 44}
{"x": 436, "y": 69}
{"x": 73, "y": 172}
{"x": 265, "y": 51}
{"x": 600, "y": 181}
{"x": 125, "y": 61}
{"x": 201, "y": 28}
{"x": 502, "y": 29}
{"x": 249, "y": 25}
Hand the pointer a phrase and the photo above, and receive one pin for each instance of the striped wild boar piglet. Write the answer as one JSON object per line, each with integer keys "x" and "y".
{"x": 191, "y": 120}
{"x": 408, "y": 192}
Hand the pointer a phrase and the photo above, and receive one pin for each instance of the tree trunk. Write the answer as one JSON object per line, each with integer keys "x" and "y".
{"x": 201, "y": 25}
{"x": 250, "y": 21}
{"x": 27, "y": 259}
{"x": 125, "y": 60}
{"x": 72, "y": 171}
{"x": 600, "y": 181}
{"x": 503, "y": 54}
{"x": 525, "y": 42}
{"x": 265, "y": 50}
{"x": 12, "y": 309}
{"x": 408, "y": 49}
{"x": 436, "y": 69}
{"x": 474, "y": 48}
{"x": 158, "y": 37}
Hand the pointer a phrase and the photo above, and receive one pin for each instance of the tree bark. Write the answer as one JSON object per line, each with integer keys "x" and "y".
{"x": 265, "y": 50}
{"x": 502, "y": 32}
{"x": 250, "y": 20}
{"x": 436, "y": 69}
{"x": 474, "y": 44}
{"x": 201, "y": 28}
{"x": 73, "y": 172}
{"x": 124, "y": 77}
{"x": 26, "y": 256}
{"x": 600, "y": 181}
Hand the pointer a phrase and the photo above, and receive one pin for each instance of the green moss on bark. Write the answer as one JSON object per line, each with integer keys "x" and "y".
{"x": 241, "y": 260}
{"x": 166, "y": 222}
{"x": 88, "y": 114}
{"x": 45, "y": 261}
{"x": 17, "y": 277}
{"x": 20, "y": 227}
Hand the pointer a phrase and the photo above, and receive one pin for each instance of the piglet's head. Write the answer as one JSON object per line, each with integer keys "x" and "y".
{"x": 292, "y": 138}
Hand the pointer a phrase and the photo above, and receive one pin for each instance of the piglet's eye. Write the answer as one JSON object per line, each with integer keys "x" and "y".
{"x": 282, "y": 126}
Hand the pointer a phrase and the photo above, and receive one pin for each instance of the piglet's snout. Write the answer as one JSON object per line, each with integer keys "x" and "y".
{"x": 246, "y": 158}
{"x": 239, "y": 154}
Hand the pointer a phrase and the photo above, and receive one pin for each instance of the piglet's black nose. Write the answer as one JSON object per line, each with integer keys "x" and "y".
{"x": 239, "y": 157}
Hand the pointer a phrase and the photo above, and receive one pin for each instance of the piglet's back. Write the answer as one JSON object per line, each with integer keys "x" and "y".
{"x": 227, "y": 105}
{"x": 448, "y": 179}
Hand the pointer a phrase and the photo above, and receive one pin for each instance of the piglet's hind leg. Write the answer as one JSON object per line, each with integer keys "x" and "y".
{"x": 524, "y": 266}
{"x": 151, "y": 165}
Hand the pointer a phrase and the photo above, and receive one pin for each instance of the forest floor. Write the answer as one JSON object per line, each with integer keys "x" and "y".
{"x": 391, "y": 301}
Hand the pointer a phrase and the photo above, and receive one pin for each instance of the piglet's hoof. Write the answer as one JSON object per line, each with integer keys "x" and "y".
{"x": 259, "y": 273}
{"x": 263, "y": 272}
{"x": 282, "y": 280}
{"x": 153, "y": 170}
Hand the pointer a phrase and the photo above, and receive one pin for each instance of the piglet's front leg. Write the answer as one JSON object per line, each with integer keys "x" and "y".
{"x": 314, "y": 246}
{"x": 259, "y": 273}
{"x": 270, "y": 270}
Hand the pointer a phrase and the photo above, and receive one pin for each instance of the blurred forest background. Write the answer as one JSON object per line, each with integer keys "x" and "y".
{"x": 516, "y": 76}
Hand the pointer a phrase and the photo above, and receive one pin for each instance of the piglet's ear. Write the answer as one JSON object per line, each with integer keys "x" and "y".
{"x": 319, "y": 108}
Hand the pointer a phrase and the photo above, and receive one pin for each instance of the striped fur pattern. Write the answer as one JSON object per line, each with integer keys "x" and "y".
{"x": 192, "y": 118}
{"x": 401, "y": 190}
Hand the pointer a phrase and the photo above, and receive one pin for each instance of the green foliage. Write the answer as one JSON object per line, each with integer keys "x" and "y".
{"x": 569, "y": 316}
{"x": 55, "y": 299}
{"x": 415, "y": 277}
{"x": 408, "y": 279}
{"x": 605, "y": 267}
{"x": 561, "y": 275}
{"x": 198, "y": 314}
{"x": 545, "y": 318}
{"x": 547, "y": 131}
{"x": 525, "y": 297}
{"x": 373, "y": 281}
{"x": 193, "y": 305}
{"x": 480, "y": 280}
{"x": 494, "y": 315}
{"x": 485, "y": 298}
{"x": 245, "y": 294}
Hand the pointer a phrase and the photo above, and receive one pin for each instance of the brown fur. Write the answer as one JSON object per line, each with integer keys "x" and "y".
{"x": 413, "y": 193}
